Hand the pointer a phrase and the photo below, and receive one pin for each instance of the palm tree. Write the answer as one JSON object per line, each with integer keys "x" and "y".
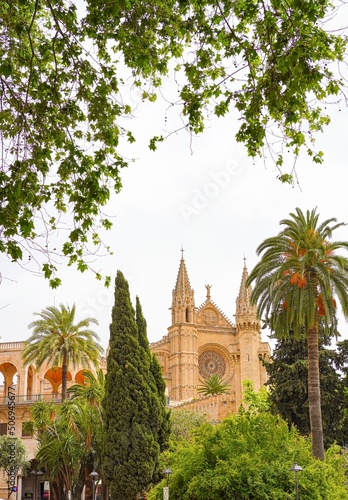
{"x": 57, "y": 340}
{"x": 213, "y": 385}
{"x": 89, "y": 396}
{"x": 92, "y": 390}
{"x": 66, "y": 438}
{"x": 297, "y": 282}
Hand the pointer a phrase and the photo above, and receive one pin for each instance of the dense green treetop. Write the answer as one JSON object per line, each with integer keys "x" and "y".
{"x": 62, "y": 110}
{"x": 184, "y": 423}
{"x": 58, "y": 340}
{"x": 268, "y": 59}
{"x": 159, "y": 416}
{"x": 56, "y": 101}
{"x": 249, "y": 456}
{"x": 301, "y": 275}
{"x": 13, "y": 455}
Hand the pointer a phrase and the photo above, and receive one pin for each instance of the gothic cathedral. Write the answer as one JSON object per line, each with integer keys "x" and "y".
{"x": 202, "y": 342}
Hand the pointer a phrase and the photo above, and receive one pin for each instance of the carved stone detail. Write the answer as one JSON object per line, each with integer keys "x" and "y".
{"x": 210, "y": 317}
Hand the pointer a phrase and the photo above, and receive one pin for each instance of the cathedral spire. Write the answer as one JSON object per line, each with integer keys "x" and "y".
{"x": 248, "y": 331}
{"x": 182, "y": 286}
{"x": 183, "y": 303}
{"x": 243, "y": 302}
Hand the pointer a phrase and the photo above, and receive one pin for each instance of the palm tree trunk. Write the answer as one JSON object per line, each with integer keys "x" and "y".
{"x": 64, "y": 378}
{"x": 314, "y": 393}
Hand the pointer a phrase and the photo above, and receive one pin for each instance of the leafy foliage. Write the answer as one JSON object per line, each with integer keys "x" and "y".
{"x": 297, "y": 281}
{"x": 92, "y": 390}
{"x": 183, "y": 425}
{"x": 62, "y": 112}
{"x": 67, "y": 435}
{"x": 57, "y": 99}
{"x": 270, "y": 60}
{"x": 159, "y": 417}
{"x": 248, "y": 456}
{"x": 255, "y": 402}
{"x": 300, "y": 275}
{"x": 213, "y": 385}
{"x": 89, "y": 397}
{"x": 133, "y": 408}
{"x": 13, "y": 455}
{"x": 57, "y": 340}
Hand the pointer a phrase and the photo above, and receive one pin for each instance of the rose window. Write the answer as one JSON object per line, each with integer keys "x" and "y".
{"x": 211, "y": 363}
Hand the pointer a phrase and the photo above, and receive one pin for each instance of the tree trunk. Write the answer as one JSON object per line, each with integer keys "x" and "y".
{"x": 105, "y": 491}
{"x": 88, "y": 482}
{"x": 64, "y": 378}
{"x": 314, "y": 393}
{"x": 56, "y": 491}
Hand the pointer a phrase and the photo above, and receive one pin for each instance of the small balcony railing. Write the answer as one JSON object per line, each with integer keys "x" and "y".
{"x": 29, "y": 400}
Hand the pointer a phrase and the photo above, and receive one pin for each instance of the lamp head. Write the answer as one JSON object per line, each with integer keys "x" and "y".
{"x": 94, "y": 475}
{"x": 167, "y": 472}
{"x": 296, "y": 468}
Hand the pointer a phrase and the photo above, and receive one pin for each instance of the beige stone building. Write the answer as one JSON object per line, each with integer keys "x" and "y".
{"x": 21, "y": 386}
{"x": 202, "y": 341}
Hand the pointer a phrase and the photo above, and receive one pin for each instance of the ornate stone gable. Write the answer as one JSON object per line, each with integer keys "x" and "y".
{"x": 210, "y": 316}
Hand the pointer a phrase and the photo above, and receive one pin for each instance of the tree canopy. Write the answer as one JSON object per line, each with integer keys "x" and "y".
{"x": 268, "y": 59}
{"x": 58, "y": 340}
{"x": 249, "y": 456}
{"x": 13, "y": 455}
{"x": 69, "y": 439}
{"x": 183, "y": 424}
{"x": 62, "y": 110}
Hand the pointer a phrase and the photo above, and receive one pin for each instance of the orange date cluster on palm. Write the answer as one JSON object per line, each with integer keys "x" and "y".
{"x": 320, "y": 303}
{"x": 300, "y": 252}
{"x": 321, "y": 307}
{"x": 296, "y": 279}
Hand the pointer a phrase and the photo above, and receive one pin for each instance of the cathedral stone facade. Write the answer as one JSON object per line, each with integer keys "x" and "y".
{"x": 201, "y": 341}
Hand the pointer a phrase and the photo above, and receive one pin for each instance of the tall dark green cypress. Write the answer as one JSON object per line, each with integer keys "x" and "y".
{"x": 160, "y": 416}
{"x": 130, "y": 446}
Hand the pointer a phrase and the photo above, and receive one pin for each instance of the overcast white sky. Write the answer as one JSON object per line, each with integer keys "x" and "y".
{"x": 214, "y": 201}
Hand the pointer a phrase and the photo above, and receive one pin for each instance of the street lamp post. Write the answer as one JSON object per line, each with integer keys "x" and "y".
{"x": 36, "y": 478}
{"x": 296, "y": 469}
{"x": 39, "y": 477}
{"x": 167, "y": 472}
{"x": 33, "y": 474}
{"x": 94, "y": 476}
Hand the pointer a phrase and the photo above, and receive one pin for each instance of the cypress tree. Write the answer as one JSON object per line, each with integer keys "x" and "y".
{"x": 165, "y": 427}
{"x": 160, "y": 417}
{"x": 130, "y": 446}
{"x": 142, "y": 328}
